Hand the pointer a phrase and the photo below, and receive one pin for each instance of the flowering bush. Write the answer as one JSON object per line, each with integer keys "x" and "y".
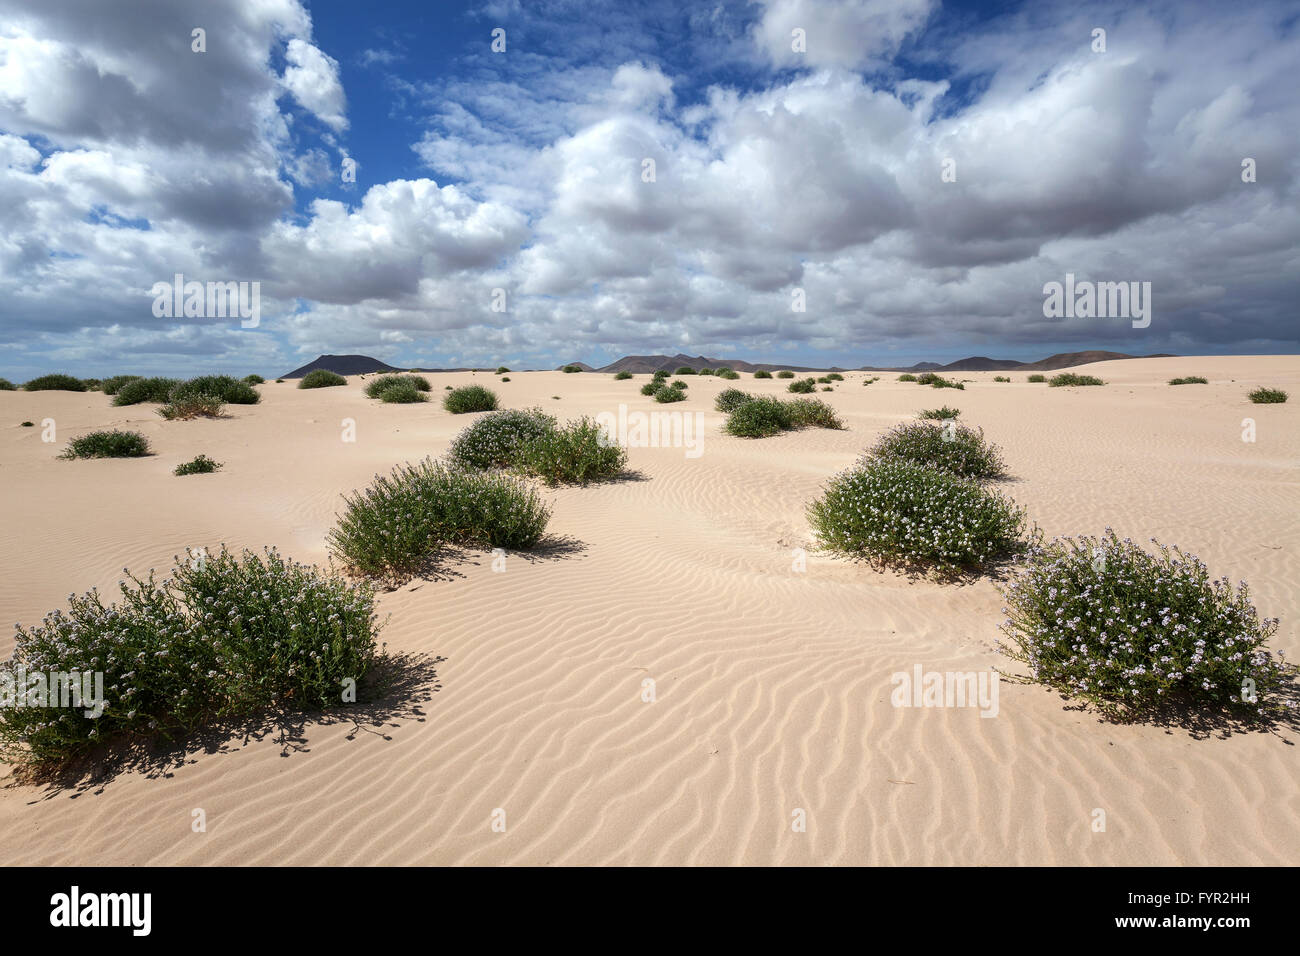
{"x": 223, "y": 637}
{"x": 950, "y": 447}
{"x": 139, "y": 390}
{"x": 762, "y": 417}
{"x": 400, "y": 522}
{"x": 899, "y": 512}
{"x": 803, "y": 385}
{"x": 730, "y": 399}
{"x": 1131, "y": 632}
{"x": 322, "y": 378}
{"x": 229, "y": 390}
{"x": 376, "y": 387}
{"x": 495, "y": 440}
{"x": 575, "y": 453}
{"x": 112, "y": 444}
{"x": 193, "y": 406}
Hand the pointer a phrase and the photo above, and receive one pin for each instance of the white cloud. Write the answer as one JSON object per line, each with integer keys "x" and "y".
{"x": 313, "y": 79}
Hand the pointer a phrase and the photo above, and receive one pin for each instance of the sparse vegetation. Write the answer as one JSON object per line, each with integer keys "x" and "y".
{"x": 939, "y": 414}
{"x": 397, "y": 525}
{"x": 728, "y": 374}
{"x": 253, "y": 380}
{"x": 707, "y": 371}
{"x": 470, "y": 398}
{"x": 761, "y": 417}
{"x": 28, "y": 425}
{"x": 1001, "y": 378}
{"x": 322, "y": 378}
{"x": 1070, "y": 378}
{"x": 1036, "y": 378}
{"x": 572, "y": 368}
{"x": 762, "y": 373}
{"x": 896, "y": 512}
{"x": 1136, "y": 633}
{"x": 729, "y": 399}
{"x": 501, "y": 370}
{"x": 622, "y": 376}
{"x": 907, "y": 377}
{"x": 403, "y": 393}
{"x": 55, "y": 383}
{"x": 1189, "y": 380}
{"x": 652, "y": 387}
{"x": 802, "y": 386}
{"x": 108, "y": 444}
{"x": 1268, "y": 396}
{"x": 668, "y": 395}
{"x": 229, "y": 390}
{"x": 113, "y": 384}
{"x": 834, "y": 377}
{"x": 578, "y": 452}
{"x": 660, "y": 375}
{"x": 496, "y": 439}
{"x": 202, "y": 465}
{"x": 956, "y": 449}
{"x": 7, "y": 386}
{"x": 192, "y": 406}
{"x": 785, "y": 374}
{"x": 684, "y": 370}
{"x": 934, "y": 380}
{"x": 222, "y": 637}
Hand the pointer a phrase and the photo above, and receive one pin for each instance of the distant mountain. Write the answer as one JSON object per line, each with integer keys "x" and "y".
{"x": 653, "y": 363}
{"x": 1070, "y": 359}
{"x": 582, "y": 365}
{"x": 342, "y": 365}
{"x": 978, "y": 363}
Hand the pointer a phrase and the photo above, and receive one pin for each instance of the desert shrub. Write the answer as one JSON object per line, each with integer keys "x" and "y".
{"x": 376, "y": 387}
{"x": 907, "y": 377}
{"x": 501, "y": 370}
{"x": 898, "y": 512}
{"x": 578, "y": 452}
{"x": 939, "y": 414}
{"x": 399, "y": 523}
{"x": 660, "y": 375}
{"x": 869, "y": 381}
{"x": 229, "y": 390}
{"x": 1190, "y": 380}
{"x": 253, "y": 380}
{"x": 729, "y": 399}
{"x": 192, "y": 406}
{"x": 145, "y": 390}
{"x": 802, "y": 386}
{"x": 684, "y": 370}
{"x": 1001, "y": 378}
{"x": 402, "y": 394}
{"x": 949, "y": 447}
{"x": 505, "y": 378}
{"x": 1036, "y": 378}
{"x": 785, "y": 374}
{"x": 935, "y": 380}
{"x": 728, "y": 374}
{"x": 823, "y": 380}
{"x": 758, "y": 418}
{"x": 668, "y": 395}
{"x": 279, "y": 381}
{"x": 828, "y": 388}
{"x": 222, "y": 638}
{"x": 678, "y": 383}
{"x": 834, "y": 377}
{"x": 109, "y": 444}
{"x": 1070, "y": 378}
{"x": 652, "y": 387}
{"x": 1134, "y": 632}
{"x": 811, "y": 413}
{"x": 470, "y": 398}
{"x": 708, "y": 371}
{"x": 113, "y": 384}
{"x": 28, "y": 425}
{"x": 622, "y": 376}
{"x": 1268, "y": 396}
{"x": 762, "y": 373}
{"x": 202, "y": 465}
{"x": 56, "y": 382}
{"x": 321, "y": 378}
{"x": 496, "y": 439}
{"x": 572, "y": 368}
{"x": 7, "y": 386}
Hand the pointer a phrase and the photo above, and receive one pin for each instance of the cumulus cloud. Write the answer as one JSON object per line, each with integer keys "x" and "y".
{"x": 313, "y": 79}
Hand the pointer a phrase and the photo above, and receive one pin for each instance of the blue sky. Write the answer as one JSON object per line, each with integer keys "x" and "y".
{"x": 127, "y": 157}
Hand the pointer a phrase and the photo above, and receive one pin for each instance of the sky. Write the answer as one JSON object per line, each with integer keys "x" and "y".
{"x": 814, "y": 182}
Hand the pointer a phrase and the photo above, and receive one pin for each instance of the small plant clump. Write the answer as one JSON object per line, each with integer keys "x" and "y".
{"x": 622, "y": 376}
{"x": 403, "y": 393}
{"x": 501, "y": 370}
{"x": 578, "y": 452}
{"x": 935, "y": 380}
{"x": 140, "y": 390}
{"x": 762, "y": 373}
{"x": 53, "y": 383}
{"x": 1135, "y": 633}
{"x": 229, "y": 390}
{"x": 763, "y": 417}
{"x": 1190, "y": 380}
{"x": 113, "y": 384}
{"x": 376, "y": 387}
{"x": 1001, "y": 378}
{"x": 670, "y": 394}
{"x": 1036, "y": 378}
{"x": 709, "y": 371}
{"x": 652, "y": 387}
{"x": 729, "y": 399}
{"x": 202, "y": 465}
{"x": 786, "y": 373}
{"x": 496, "y": 439}
{"x": 7, "y": 386}
{"x": 1070, "y": 378}
{"x": 684, "y": 370}
{"x": 728, "y": 374}
{"x": 321, "y": 378}
{"x": 570, "y": 369}
{"x": 897, "y": 512}
{"x": 802, "y": 387}
{"x": 470, "y": 398}
{"x": 253, "y": 380}
{"x": 397, "y": 525}
{"x": 108, "y": 444}
{"x": 1268, "y": 396}
{"x": 907, "y": 377}
{"x": 835, "y": 377}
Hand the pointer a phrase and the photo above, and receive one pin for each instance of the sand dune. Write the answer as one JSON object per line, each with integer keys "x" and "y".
{"x": 772, "y": 685}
